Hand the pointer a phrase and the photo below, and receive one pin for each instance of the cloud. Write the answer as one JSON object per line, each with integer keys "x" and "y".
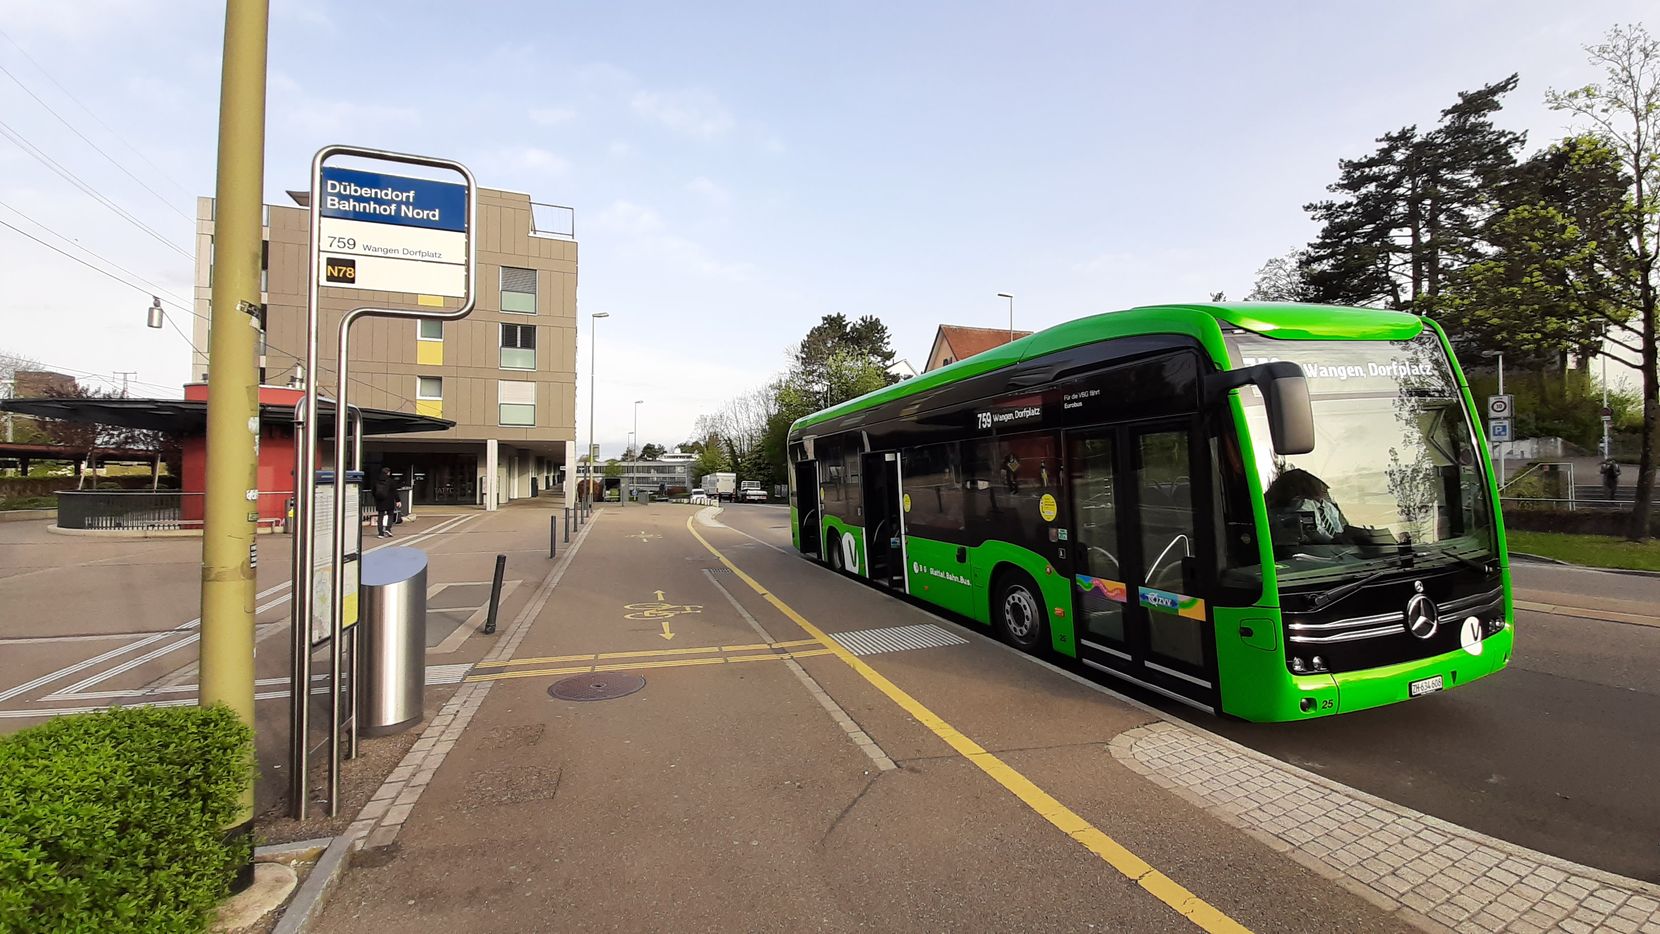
{"x": 536, "y": 159}
{"x": 629, "y": 218}
{"x": 709, "y": 190}
{"x": 552, "y": 116}
{"x": 693, "y": 112}
{"x": 292, "y": 104}
{"x": 620, "y": 148}
{"x": 646, "y": 238}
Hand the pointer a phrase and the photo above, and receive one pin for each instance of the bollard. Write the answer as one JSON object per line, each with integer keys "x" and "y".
{"x": 567, "y": 526}
{"x": 495, "y": 595}
{"x": 553, "y": 537}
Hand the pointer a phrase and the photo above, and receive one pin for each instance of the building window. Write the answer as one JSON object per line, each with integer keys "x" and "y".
{"x": 518, "y": 290}
{"x": 516, "y": 401}
{"x": 518, "y": 347}
{"x": 429, "y": 396}
{"x": 431, "y": 329}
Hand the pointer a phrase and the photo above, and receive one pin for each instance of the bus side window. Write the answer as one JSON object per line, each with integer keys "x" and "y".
{"x": 936, "y": 498}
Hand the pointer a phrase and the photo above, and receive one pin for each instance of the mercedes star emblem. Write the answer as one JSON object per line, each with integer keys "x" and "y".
{"x": 1421, "y": 617}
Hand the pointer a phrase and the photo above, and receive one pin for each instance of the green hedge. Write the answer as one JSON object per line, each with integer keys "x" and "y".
{"x": 114, "y": 821}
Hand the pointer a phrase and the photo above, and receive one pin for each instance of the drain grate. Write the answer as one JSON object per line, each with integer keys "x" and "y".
{"x": 604, "y": 685}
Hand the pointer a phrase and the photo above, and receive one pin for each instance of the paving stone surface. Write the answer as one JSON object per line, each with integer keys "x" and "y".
{"x": 1466, "y": 881}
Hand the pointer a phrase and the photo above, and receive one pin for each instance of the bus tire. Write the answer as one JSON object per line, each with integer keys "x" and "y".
{"x": 1017, "y": 610}
{"x": 835, "y": 552}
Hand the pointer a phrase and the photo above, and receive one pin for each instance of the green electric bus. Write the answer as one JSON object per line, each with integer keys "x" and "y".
{"x": 1270, "y": 511}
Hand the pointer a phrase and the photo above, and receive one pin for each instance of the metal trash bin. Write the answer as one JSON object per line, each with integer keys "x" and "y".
{"x": 643, "y": 497}
{"x": 393, "y": 647}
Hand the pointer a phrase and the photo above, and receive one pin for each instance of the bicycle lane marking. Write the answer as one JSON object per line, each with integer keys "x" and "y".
{"x": 1204, "y": 915}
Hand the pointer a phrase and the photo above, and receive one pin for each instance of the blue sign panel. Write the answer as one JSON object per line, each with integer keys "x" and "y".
{"x": 352, "y": 194}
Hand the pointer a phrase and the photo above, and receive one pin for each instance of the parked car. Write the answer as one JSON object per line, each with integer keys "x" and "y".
{"x": 700, "y": 498}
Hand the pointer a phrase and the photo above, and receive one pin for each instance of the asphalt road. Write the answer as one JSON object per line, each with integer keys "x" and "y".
{"x": 1559, "y": 752}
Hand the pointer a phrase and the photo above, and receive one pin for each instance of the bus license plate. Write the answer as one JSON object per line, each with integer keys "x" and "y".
{"x": 1426, "y": 686}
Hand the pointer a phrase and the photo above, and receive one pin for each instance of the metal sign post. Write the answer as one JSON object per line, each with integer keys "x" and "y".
{"x": 380, "y": 232}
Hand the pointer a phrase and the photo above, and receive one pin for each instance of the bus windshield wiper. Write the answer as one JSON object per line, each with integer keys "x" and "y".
{"x": 1326, "y": 598}
{"x": 1482, "y": 564}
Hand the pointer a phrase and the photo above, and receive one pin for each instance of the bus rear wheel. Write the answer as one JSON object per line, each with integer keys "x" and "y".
{"x": 1017, "y": 609}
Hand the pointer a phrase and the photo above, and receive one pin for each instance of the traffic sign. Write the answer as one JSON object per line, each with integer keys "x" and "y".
{"x": 1498, "y": 429}
{"x": 1500, "y": 406}
{"x": 392, "y": 233}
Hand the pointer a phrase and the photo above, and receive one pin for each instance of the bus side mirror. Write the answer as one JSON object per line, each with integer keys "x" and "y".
{"x": 1285, "y": 391}
{"x": 1290, "y": 415}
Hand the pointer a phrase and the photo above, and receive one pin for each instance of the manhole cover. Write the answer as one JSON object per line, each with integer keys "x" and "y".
{"x": 597, "y": 686}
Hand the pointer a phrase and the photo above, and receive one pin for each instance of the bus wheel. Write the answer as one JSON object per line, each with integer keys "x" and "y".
{"x": 836, "y": 562}
{"x": 1018, "y": 611}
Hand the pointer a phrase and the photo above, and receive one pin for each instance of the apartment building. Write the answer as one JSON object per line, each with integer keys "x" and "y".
{"x": 505, "y": 375}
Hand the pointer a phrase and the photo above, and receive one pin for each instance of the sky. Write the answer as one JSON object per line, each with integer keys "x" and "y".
{"x": 739, "y": 170}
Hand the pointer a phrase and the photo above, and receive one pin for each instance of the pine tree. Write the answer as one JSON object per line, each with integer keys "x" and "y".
{"x": 1413, "y": 209}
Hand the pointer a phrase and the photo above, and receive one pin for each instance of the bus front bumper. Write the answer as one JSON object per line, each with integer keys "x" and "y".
{"x": 1376, "y": 687}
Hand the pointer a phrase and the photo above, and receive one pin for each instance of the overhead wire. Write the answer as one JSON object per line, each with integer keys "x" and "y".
{"x": 88, "y": 140}
{"x": 96, "y": 119}
{"x": 40, "y": 156}
{"x": 184, "y": 308}
{"x": 106, "y": 260}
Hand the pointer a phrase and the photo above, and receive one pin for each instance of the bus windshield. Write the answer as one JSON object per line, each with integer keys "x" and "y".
{"x": 1394, "y": 479}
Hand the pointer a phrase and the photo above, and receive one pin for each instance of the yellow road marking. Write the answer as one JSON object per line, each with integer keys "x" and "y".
{"x": 698, "y": 650}
{"x": 1160, "y": 886}
{"x": 634, "y": 666}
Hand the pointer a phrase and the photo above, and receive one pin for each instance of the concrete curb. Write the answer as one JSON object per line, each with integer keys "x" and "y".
{"x": 1541, "y": 559}
{"x": 142, "y": 533}
{"x": 25, "y": 515}
{"x": 307, "y": 904}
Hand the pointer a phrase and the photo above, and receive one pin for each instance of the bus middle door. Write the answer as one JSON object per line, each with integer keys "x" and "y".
{"x": 1134, "y": 519}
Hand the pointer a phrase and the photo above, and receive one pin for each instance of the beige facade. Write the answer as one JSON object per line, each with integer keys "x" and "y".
{"x": 505, "y": 374}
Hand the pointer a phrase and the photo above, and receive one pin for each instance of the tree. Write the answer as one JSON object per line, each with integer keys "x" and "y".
{"x": 1624, "y": 111}
{"x": 1279, "y": 280}
{"x": 652, "y": 452}
{"x": 836, "y": 356}
{"x": 1413, "y": 209}
{"x": 1554, "y": 279}
{"x": 710, "y": 457}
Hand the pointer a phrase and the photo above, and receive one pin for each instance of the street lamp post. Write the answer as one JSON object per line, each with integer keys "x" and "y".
{"x": 633, "y": 439}
{"x": 593, "y": 367}
{"x": 1010, "y": 297}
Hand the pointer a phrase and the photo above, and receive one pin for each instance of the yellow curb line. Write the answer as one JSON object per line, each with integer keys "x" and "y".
{"x": 1160, "y": 886}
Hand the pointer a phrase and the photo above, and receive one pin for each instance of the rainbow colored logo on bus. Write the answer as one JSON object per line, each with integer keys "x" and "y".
{"x": 1178, "y": 603}
{"x": 1116, "y": 591}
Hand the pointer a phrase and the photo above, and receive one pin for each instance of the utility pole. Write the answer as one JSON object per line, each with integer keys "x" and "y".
{"x": 232, "y": 498}
{"x": 1501, "y": 443}
{"x": 125, "y": 374}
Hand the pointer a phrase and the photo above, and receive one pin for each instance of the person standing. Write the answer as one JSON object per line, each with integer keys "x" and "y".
{"x": 385, "y": 493}
{"x": 1610, "y": 478}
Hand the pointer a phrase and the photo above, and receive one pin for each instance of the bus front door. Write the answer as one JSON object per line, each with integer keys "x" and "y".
{"x": 1134, "y": 512}
{"x": 884, "y": 518}
{"x": 807, "y": 517}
